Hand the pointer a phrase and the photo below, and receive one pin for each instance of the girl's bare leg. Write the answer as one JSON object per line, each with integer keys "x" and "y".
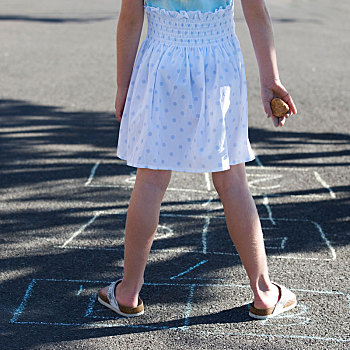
{"x": 141, "y": 225}
{"x": 245, "y": 231}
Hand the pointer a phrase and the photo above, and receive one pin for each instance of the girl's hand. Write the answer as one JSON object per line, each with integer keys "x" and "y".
{"x": 120, "y": 102}
{"x": 268, "y": 92}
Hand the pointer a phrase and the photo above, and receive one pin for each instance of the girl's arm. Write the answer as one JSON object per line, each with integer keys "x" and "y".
{"x": 128, "y": 37}
{"x": 260, "y": 28}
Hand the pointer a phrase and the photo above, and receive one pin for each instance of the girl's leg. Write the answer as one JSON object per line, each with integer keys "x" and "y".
{"x": 141, "y": 225}
{"x": 244, "y": 227}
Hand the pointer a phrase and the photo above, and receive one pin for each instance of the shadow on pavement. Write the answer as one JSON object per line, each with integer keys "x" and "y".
{"x": 52, "y": 20}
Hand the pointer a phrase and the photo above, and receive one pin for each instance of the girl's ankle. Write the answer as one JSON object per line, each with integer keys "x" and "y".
{"x": 267, "y": 298}
{"x": 125, "y": 296}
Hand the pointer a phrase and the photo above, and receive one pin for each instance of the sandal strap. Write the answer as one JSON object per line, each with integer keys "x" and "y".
{"x": 111, "y": 294}
{"x": 114, "y": 303}
{"x": 286, "y": 295}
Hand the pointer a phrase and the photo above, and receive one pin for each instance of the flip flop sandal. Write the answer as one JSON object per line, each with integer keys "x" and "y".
{"x": 111, "y": 302}
{"x": 286, "y": 302}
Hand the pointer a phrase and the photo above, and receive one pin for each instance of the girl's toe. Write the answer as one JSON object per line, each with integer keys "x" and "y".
{"x": 103, "y": 292}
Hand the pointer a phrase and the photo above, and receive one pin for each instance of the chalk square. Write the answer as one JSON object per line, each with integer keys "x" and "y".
{"x": 59, "y": 302}
{"x": 51, "y": 301}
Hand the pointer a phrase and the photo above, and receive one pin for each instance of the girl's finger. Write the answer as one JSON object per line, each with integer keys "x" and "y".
{"x": 275, "y": 121}
{"x": 292, "y": 106}
{"x": 267, "y": 109}
{"x": 288, "y": 99}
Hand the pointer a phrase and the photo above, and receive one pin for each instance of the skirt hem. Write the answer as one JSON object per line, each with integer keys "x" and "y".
{"x": 187, "y": 170}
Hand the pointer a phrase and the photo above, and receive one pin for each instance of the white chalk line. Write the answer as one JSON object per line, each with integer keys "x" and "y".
{"x": 82, "y": 228}
{"x": 282, "y": 244}
{"x": 201, "y": 279}
{"x": 302, "y": 196}
{"x": 92, "y": 174}
{"x": 297, "y": 318}
{"x": 265, "y": 197}
{"x": 268, "y": 208}
{"x": 183, "y": 250}
{"x": 324, "y": 184}
{"x": 189, "y": 305}
{"x": 323, "y": 236}
{"x": 204, "y": 234}
{"x": 264, "y": 179}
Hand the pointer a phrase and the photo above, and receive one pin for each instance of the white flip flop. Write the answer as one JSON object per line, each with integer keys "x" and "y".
{"x": 286, "y": 302}
{"x": 111, "y": 302}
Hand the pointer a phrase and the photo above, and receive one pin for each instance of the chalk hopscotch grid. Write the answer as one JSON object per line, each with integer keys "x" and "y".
{"x": 192, "y": 285}
{"x": 187, "y": 312}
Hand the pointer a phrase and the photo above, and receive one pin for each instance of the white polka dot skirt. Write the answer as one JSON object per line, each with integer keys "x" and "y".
{"x": 186, "y": 108}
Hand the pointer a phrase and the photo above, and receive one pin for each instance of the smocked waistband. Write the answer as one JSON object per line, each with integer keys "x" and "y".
{"x": 190, "y": 28}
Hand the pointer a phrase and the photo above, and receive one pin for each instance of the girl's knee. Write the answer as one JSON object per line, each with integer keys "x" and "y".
{"x": 159, "y": 178}
{"x": 235, "y": 176}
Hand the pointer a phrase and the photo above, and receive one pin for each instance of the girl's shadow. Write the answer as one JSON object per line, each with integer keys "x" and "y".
{"x": 234, "y": 315}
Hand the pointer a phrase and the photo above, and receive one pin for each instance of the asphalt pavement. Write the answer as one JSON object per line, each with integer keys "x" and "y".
{"x": 64, "y": 194}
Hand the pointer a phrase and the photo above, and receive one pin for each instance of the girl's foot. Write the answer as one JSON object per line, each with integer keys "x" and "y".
{"x": 122, "y": 296}
{"x": 108, "y": 299}
{"x": 286, "y": 301}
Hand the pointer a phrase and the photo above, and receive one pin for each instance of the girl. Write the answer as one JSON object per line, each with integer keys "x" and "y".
{"x": 183, "y": 106}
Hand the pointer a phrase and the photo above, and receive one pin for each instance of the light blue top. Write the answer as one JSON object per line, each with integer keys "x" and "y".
{"x": 189, "y": 5}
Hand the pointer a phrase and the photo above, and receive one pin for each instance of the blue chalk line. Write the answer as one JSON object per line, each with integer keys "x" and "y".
{"x": 190, "y": 269}
{"x": 23, "y": 304}
{"x": 80, "y": 289}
